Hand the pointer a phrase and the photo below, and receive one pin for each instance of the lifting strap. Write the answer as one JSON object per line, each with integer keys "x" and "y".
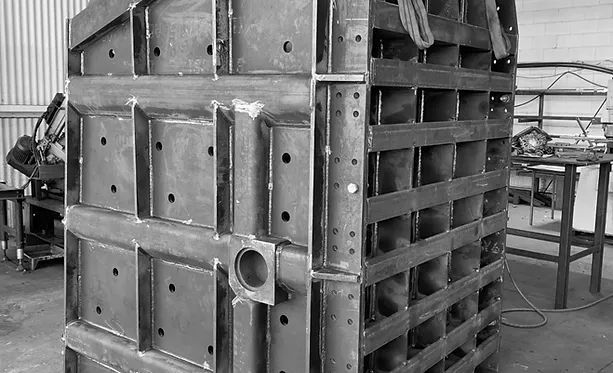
{"x": 414, "y": 19}
{"x": 500, "y": 42}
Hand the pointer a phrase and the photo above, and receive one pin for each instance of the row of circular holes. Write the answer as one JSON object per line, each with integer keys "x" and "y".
{"x": 157, "y": 51}
{"x": 171, "y": 288}
{"x": 158, "y": 146}
{"x": 334, "y": 318}
{"x": 337, "y": 160}
{"x": 286, "y": 158}
{"x": 287, "y": 48}
{"x": 358, "y": 38}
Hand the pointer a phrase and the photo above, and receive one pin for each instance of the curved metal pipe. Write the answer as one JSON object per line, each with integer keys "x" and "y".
{"x": 574, "y": 65}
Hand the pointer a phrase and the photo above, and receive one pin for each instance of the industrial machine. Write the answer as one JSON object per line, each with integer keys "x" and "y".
{"x": 41, "y": 158}
{"x": 287, "y": 186}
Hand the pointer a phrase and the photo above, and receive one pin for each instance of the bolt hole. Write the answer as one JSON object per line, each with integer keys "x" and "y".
{"x": 337, "y": 160}
{"x": 171, "y": 198}
{"x": 338, "y": 113}
{"x": 172, "y": 288}
{"x": 161, "y": 332}
{"x": 334, "y": 248}
{"x": 286, "y": 158}
{"x": 156, "y": 51}
{"x": 210, "y": 350}
{"x": 356, "y": 95}
{"x": 158, "y": 146}
{"x": 113, "y": 189}
{"x": 103, "y": 141}
{"x": 358, "y": 38}
{"x": 340, "y": 39}
{"x": 111, "y": 53}
{"x": 285, "y": 216}
{"x": 339, "y": 95}
{"x": 98, "y": 310}
{"x": 356, "y": 114}
{"x": 287, "y": 46}
{"x": 352, "y": 234}
{"x": 284, "y": 320}
{"x": 351, "y": 251}
{"x": 350, "y": 322}
{"x": 348, "y": 366}
{"x": 209, "y": 50}
{"x": 354, "y": 162}
{"x": 211, "y": 151}
{"x": 335, "y": 231}
{"x": 337, "y": 185}
{"x": 115, "y": 272}
{"x": 350, "y": 296}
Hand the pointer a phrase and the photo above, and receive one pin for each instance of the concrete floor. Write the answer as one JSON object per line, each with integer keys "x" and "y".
{"x": 31, "y": 311}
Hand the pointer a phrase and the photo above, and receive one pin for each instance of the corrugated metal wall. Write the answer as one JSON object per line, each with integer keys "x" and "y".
{"x": 31, "y": 65}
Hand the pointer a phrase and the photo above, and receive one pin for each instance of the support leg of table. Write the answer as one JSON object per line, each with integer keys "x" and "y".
{"x": 534, "y": 186}
{"x": 4, "y": 243}
{"x": 600, "y": 226}
{"x": 566, "y": 233}
{"x": 553, "y": 197}
{"x": 19, "y": 233}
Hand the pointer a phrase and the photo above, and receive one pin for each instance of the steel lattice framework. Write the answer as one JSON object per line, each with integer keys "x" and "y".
{"x": 285, "y": 186}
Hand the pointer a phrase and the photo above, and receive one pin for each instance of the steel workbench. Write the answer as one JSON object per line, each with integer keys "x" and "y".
{"x": 567, "y": 238}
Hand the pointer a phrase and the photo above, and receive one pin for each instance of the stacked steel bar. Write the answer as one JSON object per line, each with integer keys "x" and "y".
{"x": 285, "y": 187}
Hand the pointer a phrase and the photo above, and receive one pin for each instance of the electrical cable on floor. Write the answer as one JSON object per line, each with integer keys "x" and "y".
{"x": 539, "y": 311}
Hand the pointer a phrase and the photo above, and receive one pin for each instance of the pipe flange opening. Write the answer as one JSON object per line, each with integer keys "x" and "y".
{"x": 251, "y": 269}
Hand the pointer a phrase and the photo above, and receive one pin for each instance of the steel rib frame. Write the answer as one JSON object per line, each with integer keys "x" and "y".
{"x": 386, "y": 17}
{"x": 401, "y": 136}
{"x": 386, "y": 330}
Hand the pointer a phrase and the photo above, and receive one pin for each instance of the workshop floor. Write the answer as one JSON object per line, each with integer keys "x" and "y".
{"x": 31, "y": 311}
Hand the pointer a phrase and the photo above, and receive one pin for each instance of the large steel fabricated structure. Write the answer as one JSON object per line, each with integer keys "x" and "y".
{"x": 285, "y": 186}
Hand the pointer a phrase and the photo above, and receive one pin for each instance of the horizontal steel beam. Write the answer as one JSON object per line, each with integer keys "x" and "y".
{"x": 285, "y": 98}
{"x": 158, "y": 238}
{"x": 404, "y": 258}
{"x": 176, "y": 242}
{"x": 558, "y": 92}
{"x": 391, "y": 205}
{"x": 396, "y": 73}
{"x": 120, "y": 353}
{"x": 403, "y": 136}
{"x": 577, "y": 241}
{"x": 387, "y": 17}
{"x": 475, "y": 357}
{"x": 454, "y": 340}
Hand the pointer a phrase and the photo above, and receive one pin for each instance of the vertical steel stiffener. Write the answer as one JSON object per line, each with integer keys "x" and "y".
{"x": 285, "y": 186}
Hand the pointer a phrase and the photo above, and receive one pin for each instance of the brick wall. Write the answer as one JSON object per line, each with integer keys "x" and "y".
{"x": 569, "y": 31}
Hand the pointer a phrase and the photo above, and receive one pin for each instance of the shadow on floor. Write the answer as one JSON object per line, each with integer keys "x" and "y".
{"x": 574, "y": 342}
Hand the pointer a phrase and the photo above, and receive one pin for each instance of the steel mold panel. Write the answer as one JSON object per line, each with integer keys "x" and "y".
{"x": 180, "y": 38}
{"x": 184, "y": 312}
{"x": 107, "y": 162}
{"x": 272, "y": 36}
{"x": 290, "y": 183}
{"x": 111, "y": 54}
{"x": 108, "y": 288}
{"x": 182, "y": 152}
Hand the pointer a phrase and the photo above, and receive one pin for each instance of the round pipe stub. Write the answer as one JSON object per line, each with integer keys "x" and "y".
{"x": 251, "y": 269}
